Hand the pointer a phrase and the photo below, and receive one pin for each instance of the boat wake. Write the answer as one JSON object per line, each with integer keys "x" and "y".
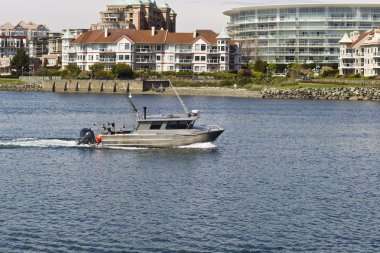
{"x": 207, "y": 145}
{"x": 38, "y": 143}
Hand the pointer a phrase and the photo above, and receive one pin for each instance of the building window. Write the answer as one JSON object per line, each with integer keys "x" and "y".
{"x": 203, "y": 47}
{"x": 126, "y": 57}
{"x": 222, "y": 58}
{"x": 203, "y": 58}
{"x": 121, "y": 57}
{"x": 196, "y": 58}
{"x": 158, "y": 58}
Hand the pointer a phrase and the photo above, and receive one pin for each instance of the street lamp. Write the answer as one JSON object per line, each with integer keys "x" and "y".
{"x": 22, "y": 71}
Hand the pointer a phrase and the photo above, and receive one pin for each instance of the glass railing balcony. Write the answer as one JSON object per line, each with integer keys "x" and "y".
{"x": 376, "y": 54}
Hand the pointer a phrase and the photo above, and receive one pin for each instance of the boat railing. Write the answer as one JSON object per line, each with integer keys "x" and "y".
{"x": 214, "y": 127}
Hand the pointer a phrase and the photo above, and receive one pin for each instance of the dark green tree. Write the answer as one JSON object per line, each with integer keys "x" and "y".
{"x": 73, "y": 69}
{"x": 20, "y": 62}
{"x": 260, "y": 66}
{"x": 122, "y": 71}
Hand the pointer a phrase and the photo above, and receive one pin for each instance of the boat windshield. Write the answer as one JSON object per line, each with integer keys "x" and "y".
{"x": 179, "y": 125}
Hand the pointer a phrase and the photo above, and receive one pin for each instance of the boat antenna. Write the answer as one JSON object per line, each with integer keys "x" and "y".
{"x": 180, "y": 100}
{"x": 131, "y": 103}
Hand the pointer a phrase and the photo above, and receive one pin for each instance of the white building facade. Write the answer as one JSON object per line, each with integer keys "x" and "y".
{"x": 360, "y": 53}
{"x": 201, "y": 51}
{"x": 302, "y": 33}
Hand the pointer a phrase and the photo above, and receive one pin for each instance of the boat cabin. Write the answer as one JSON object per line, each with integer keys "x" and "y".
{"x": 167, "y": 122}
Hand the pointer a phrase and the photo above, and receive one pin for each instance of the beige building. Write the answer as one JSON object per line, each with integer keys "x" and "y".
{"x": 201, "y": 51}
{"x": 34, "y": 36}
{"x": 360, "y": 53}
{"x": 137, "y": 14}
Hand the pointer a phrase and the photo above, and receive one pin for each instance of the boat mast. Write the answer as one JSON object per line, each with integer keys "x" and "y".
{"x": 180, "y": 100}
{"x": 131, "y": 102}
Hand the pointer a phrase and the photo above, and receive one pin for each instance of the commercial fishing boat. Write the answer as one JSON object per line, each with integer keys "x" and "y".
{"x": 159, "y": 131}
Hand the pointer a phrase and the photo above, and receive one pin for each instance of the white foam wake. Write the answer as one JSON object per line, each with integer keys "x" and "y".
{"x": 41, "y": 143}
{"x": 206, "y": 145}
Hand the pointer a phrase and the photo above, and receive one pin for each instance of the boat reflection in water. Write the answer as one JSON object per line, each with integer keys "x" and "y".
{"x": 160, "y": 131}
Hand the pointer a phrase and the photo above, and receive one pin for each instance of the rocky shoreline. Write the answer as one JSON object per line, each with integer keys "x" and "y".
{"x": 354, "y": 94}
{"x": 21, "y": 87}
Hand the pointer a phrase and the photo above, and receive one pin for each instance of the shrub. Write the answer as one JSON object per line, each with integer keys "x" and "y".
{"x": 258, "y": 74}
{"x": 65, "y": 73}
{"x": 330, "y": 72}
{"x": 372, "y": 77}
{"x": 245, "y": 73}
{"x": 104, "y": 75}
{"x": 42, "y": 72}
{"x": 354, "y": 76}
{"x": 84, "y": 75}
{"x": 122, "y": 71}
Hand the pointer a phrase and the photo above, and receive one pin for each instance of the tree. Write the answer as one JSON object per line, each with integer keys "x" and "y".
{"x": 260, "y": 66}
{"x": 272, "y": 68}
{"x": 73, "y": 69}
{"x": 96, "y": 69}
{"x": 20, "y": 62}
{"x": 122, "y": 71}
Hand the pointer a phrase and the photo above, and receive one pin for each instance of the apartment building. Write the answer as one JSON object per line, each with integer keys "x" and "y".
{"x": 201, "y": 51}
{"x": 302, "y": 33}
{"x": 360, "y": 53}
{"x": 137, "y": 14}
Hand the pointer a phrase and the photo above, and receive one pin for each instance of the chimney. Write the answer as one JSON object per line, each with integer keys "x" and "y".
{"x": 153, "y": 31}
{"x": 355, "y": 35}
{"x": 195, "y": 34}
{"x": 106, "y": 33}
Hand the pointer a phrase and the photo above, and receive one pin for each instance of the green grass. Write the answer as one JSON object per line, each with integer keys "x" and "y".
{"x": 11, "y": 81}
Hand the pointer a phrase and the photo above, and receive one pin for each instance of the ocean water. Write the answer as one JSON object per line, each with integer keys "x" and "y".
{"x": 286, "y": 176}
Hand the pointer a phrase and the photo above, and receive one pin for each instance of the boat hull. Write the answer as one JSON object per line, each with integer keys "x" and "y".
{"x": 159, "y": 140}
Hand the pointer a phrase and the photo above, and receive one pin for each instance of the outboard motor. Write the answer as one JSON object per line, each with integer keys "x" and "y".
{"x": 87, "y": 136}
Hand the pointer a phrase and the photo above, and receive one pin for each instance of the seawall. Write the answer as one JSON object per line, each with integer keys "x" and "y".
{"x": 366, "y": 94}
{"x": 80, "y": 86}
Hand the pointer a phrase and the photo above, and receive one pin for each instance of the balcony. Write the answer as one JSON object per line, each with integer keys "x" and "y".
{"x": 376, "y": 54}
{"x": 376, "y": 65}
{"x": 348, "y": 66}
{"x": 72, "y": 60}
{"x": 350, "y": 55}
{"x": 143, "y": 50}
{"x": 185, "y": 61}
{"x": 107, "y": 60}
{"x": 184, "y": 51}
{"x": 213, "y": 61}
{"x": 106, "y": 50}
{"x": 213, "y": 51}
{"x": 145, "y": 61}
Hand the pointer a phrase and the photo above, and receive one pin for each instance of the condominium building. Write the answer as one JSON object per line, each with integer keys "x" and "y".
{"x": 33, "y": 36}
{"x": 137, "y": 14}
{"x": 201, "y": 51}
{"x": 360, "y": 53}
{"x": 303, "y": 33}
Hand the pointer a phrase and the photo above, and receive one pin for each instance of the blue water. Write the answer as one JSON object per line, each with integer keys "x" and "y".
{"x": 286, "y": 176}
